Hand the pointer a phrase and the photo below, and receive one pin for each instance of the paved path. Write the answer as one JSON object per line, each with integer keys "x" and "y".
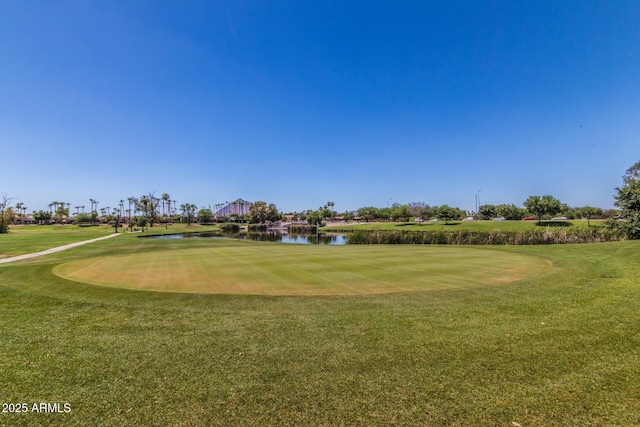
{"x": 53, "y": 250}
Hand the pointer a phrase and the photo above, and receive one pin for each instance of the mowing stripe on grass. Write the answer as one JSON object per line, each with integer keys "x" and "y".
{"x": 272, "y": 269}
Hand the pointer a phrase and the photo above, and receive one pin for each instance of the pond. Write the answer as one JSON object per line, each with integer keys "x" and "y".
{"x": 268, "y": 236}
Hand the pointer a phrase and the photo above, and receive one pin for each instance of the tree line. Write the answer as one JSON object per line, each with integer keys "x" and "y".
{"x": 149, "y": 209}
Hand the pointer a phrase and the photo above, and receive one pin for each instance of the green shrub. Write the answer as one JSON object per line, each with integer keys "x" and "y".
{"x": 538, "y": 236}
{"x": 230, "y": 227}
{"x": 302, "y": 228}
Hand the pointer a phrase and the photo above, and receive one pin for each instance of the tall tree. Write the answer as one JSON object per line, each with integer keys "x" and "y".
{"x": 510, "y": 211}
{"x": 400, "y": 212}
{"x": 260, "y": 212}
{"x": 628, "y": 200}
{"x": 4, "y": 208}
{"x": 205, "y": 216}
{"x": 20, "y": 207}
{"x": 540, "y": 206}
{"x": 188, "y": 212}
{"x": 487, "y": 211}
{"x": 148, "y": 206}
{"x": 42, "y": 216}
{"x": 165, "y": 198}
{"x": 589, "y": 212}
{"x": 447, "y": 213}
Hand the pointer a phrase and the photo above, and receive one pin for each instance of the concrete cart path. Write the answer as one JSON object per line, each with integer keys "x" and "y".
{"x": 54, "y": 250}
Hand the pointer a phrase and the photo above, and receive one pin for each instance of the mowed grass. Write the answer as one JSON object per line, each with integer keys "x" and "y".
{"x": 27, "y": 239}
{"x": 276, "y": 269}
{"x": 554, "y": 350}
{"x": 34, "y": 238}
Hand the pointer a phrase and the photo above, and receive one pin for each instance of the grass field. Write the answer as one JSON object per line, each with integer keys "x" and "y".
{"x": 240, "y": 267}
{"x": 27, "y": 239}
{"x": 557, "y": 349}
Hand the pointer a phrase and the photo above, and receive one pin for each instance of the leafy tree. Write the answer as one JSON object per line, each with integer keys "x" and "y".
{"x": 9, "y": 217}
{"x": 348, "y": 216}
{"x": 188, "y": 212}
{"x": 487, "y": 211}
{"x": 369, "y": 213}
{"x": 545, "y": 205}
{"x": 148, "y": 206}
{"x": 315, "y": 218}
{"x": 400, "y": 212}
{"x": 628, "y": 200}
{"x": 632, "y": 174}
{"x": 510, "y": 211}
{"x": 205, "y": 216}
{"x": 589, "y": 212}
{"x": 84, "y": 218}
{"x": 384, "y": 214}
{"x": 420, "y": 210}
{"x": 42, "y": 216}
{"x": 4, "y": 213}
{"x": 139, "y": 221}
{"x": 447, "y": 213}
{"x": 260, "y": 213}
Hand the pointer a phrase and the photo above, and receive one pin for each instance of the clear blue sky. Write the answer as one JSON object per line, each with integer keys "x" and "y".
{"x": 301, "y": 102}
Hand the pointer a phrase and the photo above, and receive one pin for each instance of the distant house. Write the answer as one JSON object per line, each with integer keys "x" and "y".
{"x": 239, "y": 207}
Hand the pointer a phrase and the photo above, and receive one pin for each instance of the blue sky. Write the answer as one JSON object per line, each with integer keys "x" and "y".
{"x": 301, "y": 102}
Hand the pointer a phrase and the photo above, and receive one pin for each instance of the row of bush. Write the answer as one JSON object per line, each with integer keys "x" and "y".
{"x": 544, "y": 236}
{"x": 302, "y": 228}
{"x": 230, "y": 227}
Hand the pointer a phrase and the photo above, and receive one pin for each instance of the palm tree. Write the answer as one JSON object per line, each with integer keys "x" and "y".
{"x": 19, "y": 208}
{"x": 94, "y": 205}
{"x": 131, "y": 200}
{"x": 165, "y": 197}
{"x": 331, "y": 205}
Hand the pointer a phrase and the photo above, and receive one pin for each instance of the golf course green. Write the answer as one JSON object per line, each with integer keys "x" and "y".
{"x": 281, "y": 269}
{"x": 533, "y": 335}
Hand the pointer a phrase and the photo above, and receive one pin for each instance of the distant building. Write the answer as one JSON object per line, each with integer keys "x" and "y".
{"x": 239, "y": 207}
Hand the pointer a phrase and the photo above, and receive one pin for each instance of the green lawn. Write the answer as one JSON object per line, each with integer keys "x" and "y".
{"x": 31, "y": 238}
{"x": 554, "y": 350}
{"x": 241, "y": 267}
{"x": 34, "y": 238}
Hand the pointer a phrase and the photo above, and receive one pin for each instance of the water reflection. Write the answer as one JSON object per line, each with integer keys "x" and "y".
{"x": 268, "y": 236}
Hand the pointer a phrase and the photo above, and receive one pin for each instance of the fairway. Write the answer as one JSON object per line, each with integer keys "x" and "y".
{"x": 278, "y": 269}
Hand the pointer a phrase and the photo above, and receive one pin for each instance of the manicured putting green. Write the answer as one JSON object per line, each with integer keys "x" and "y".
{"x": 277, "y": 269}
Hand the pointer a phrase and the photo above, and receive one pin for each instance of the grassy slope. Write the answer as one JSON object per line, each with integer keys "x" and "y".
{"x": 555, "y": 351}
